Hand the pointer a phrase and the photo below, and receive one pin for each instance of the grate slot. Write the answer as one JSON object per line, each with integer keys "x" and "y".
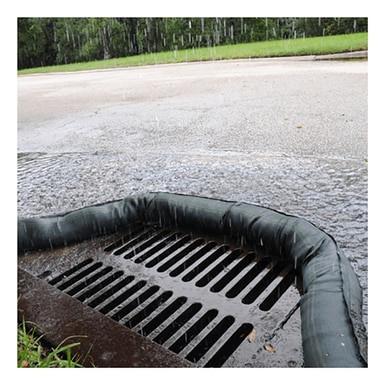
{"x": 98, "y": 287}
{"x": 256, "y": 291}
{"x": 159, "y": 246}
{"x": 79, "y": 276}
{"x": 193, "y": 258}
{"x": 278, "y": 291}
{"x": 123, "y": 296}
{"x": 236, "y": 270}
{"x": 135, "y": 303}
{"x": 110, "y": 292}
{"x": 145, "y": 244}
{"x": 217, "y": 269}
{"x": 248, "y": 278}
{"x": 172, "y": 328}
{"x": 168, "y": 251}
{"x": 137, "y": 239}
{"x": 210, "y": 339}
{"x": 193, "y": 331}
{"x": 70, "y": 272}
{"x": 124, "y": 239}
{"x": 180, "y": 255}
{"x": 88, "y": 281}
{"x": 230, "y": 346}
{"x": 206, "y": 263}
{"x": 163, "y": 315}
{"x": 149, "y": 309}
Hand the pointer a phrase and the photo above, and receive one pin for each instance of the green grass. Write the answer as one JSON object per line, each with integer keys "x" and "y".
{"x": 30, "y": 352}
{"x": 272, "y": 48}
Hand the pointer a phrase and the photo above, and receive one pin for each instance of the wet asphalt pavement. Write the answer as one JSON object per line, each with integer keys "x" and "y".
{"x": 287, "y": 134}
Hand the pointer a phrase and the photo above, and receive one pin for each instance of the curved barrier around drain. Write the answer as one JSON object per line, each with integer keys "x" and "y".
{"x": 333, "y": 334}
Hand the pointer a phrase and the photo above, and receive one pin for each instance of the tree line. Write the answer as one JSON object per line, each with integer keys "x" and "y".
{"x": 50, "y": 41}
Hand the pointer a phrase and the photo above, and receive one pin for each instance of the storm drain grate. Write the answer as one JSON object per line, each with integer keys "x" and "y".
{"x": 131, "y": 302}
{"x": 187, "y": 257}
{"x": 196, "y": 297}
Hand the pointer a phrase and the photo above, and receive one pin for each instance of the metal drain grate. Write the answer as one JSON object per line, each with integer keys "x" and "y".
{"x": 196, "y": 297}
{"x": 133, "y": 303}
{"x": 218, "y": 266}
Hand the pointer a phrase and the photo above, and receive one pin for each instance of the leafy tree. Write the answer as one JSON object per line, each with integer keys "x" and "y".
{"x": 48, "y": 41}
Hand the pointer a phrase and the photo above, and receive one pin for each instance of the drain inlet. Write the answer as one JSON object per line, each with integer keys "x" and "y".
{"x": 256, "y": 291}
{"x": 190, "y": 260}
{"x": 246, "y": 279}
{"x": 122, "y": 297}
{"x": 85, "y": 283}
{"x": 79, "y": 276}
{"x": 206, "y": 263}
{"x": 193, "y": 331}
{"x": 216, "y": 270}
{"x": 100, "y": 286}
{"x": 200, "y": 350}
{"x": 170, "y": 330}
{"x": 230, "y": 346}
{"x": 229, "y": 276}
{"x": 135, "y": 303}
{"x": 70, "y": 271}
{"x": 169, "y": 251}
{"x": 207, "y": 327}
{"x": 110, "y": 292}
{"x": 149, "y": 309}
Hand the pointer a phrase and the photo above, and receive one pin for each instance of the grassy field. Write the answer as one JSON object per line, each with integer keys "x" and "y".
{"x": 272, "y": 48}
